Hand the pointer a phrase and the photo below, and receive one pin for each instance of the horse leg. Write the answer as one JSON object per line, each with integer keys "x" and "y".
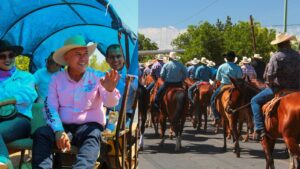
{"x": 142, "y": 121}
{"x": 293, "y": 147}
{"x": 199, "y": 113}
{"x": 233, "y": 126}
{"x": 154, "y": 120}
{"x": 163, "y": 123}
{"x": 224, "y": 135}
{"x": 268, "y": 147}
{"x": 205, "y": 118}
{"x": 292, "y": 161}
{"x": 171, "y": 133}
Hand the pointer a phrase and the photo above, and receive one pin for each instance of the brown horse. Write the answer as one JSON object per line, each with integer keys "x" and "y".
{"x": 202, "y": 102}
{"x": 173, "y": 107}
{"x": 284, "y": 123}
{"x": 230, "y": 102}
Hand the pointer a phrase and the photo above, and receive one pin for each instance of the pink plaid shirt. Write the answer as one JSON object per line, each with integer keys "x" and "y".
{"x": 249, "y": 71}
{"x": 71, "y": 102}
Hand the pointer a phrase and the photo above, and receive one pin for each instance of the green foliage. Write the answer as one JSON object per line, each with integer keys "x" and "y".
{"x": 145, "y": 44}
{"x": 211, "y": 41}
{"x": 103, "y": 66}
{"x": 22, "y": 62}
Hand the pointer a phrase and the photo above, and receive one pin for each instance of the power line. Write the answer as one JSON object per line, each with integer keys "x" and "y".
{"x": 201, "y": 10}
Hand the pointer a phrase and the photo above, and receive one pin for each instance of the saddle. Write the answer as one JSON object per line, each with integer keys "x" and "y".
{"x": 270, "y": 107}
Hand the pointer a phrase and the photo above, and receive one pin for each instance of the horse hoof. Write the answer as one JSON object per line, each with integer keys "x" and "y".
{"x": 238, "y": 155}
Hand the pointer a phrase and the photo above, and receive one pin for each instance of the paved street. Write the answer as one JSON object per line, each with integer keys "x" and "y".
{"x": 204, "y": 151}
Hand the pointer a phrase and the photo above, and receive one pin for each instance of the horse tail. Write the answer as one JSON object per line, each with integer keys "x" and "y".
{"x": 180, "y": 110}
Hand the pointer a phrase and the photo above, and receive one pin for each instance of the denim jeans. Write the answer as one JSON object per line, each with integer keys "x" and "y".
{"x": 150, "y": 86}
{"x": 213, "y": 103}
{"x": 191, "y": 91}
{"x": 11, "y": 130}
{"x": 256, "y": 103}
{"x": 86, "y": 137}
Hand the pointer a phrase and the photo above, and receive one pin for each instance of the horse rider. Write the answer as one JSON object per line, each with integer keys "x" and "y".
{"x": 259, "y": 66}
{"x": 155, "y": 70}
{"x": 192, "y": 69}
{"x": 213, "y": 70}
{"x": 247, "y": 68}
{"x": 226, "y": 70}
{"x": 173, "y": 73}
{"x": 282, "y": 73}
{"x": 202, "y": 74}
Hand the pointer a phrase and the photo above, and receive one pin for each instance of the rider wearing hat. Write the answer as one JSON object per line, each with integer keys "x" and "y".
{"x": 203, "y": 74}
{"x": 226, "y": 70}
{"x": 282, "y": 73}
{"x": 173, "y": 73}
{"x": 155, "y": 70}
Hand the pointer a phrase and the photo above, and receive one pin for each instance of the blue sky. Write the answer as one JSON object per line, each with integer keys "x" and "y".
{"x": 128, "y": 11}
{"x": 178, "y": 14}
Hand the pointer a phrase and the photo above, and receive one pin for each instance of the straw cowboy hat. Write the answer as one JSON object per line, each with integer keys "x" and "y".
{"x": 195, "y": 61}
{"x": 72, "y": 43}
{"x": 210, "y": 63}
{"x": 173, "y": 55}
{"x": 257, "y": 56}
{"x": 204, "y": 60}
{"x": 282, "y": 37}
{"x": 246, "y": 60}
{"x": 160, "y": 57}
{"x": 6, "y": 46}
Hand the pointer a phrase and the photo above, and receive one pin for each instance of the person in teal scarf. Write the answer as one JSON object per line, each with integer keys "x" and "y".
{"x": 17, "y": 91}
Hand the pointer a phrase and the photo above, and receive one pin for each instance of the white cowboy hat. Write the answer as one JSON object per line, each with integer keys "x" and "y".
{"x": 246, "y": 60}
{"x": 194, "y": 61}
{"x": 282, "y": 37}
{"x": 72, "y": 43}
{"x": 210, "y": 63}
{"x": 204, "y": 60}
{"x": 160, "y": 57}
{"x": 257, "y": 56}
{"x": 173, "y": 55}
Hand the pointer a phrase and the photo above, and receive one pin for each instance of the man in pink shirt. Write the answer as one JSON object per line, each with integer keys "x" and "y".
{"x": 73, "y": 109}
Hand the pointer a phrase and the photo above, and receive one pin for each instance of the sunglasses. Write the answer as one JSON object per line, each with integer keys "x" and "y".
{"x": 11, "y": 55}
{"x": 115, "y": 57}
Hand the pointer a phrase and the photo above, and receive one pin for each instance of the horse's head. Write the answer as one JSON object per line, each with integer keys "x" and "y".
{"x": 240, "y": 93}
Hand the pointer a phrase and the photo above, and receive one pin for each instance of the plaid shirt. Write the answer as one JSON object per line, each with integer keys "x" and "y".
{"x": 249, "y": 71}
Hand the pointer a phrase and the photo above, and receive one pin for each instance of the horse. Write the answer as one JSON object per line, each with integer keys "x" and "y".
{"x": 283, "y": 122}
{"x": 202, "y": 101}
{"x": 230, "y": 102}
{"x": 142, "y": 112}
{"x": 173, "y": 107}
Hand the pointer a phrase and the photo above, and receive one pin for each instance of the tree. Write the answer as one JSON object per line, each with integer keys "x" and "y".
{"x": 211, "y": 41}
{"x": 145, "y": 44}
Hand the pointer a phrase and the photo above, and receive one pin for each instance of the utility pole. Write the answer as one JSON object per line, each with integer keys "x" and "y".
{"x": 285, "y": 15}
{"x": 253, "y": 35}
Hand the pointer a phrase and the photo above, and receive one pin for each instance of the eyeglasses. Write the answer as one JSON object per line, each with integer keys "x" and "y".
{"x": 115, "y": 57}
{"x": 11, "y": 55}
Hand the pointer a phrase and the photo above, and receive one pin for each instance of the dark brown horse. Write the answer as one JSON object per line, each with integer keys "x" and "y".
{"x": 202, "y": 102}
{"x": 230, "y": 102}
{"x": 284, "y": 123}
{"x": 172, "y": 107}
